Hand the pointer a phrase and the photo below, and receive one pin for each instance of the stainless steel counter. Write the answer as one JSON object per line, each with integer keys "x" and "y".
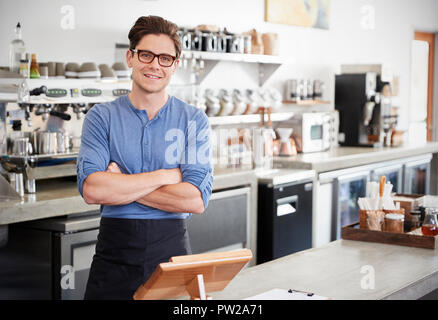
{"x": 228, "y": 178}
{"x": 345, "y": 157}
{"x": 275, "y": 177}
{"x": 344, "y": 270}
{"x": 53, "y": 198}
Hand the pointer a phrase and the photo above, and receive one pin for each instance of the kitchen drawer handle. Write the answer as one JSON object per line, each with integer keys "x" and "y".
{"x": 285, "y": 209}
{"x": 287, "y": 205}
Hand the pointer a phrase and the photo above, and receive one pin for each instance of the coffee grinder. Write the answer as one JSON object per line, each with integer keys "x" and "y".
{"x": 364, "y": 107}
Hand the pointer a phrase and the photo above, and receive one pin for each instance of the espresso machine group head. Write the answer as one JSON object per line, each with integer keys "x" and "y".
{"x": 363, "y": 109}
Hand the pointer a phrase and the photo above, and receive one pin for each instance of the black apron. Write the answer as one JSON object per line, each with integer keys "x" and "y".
{"x": 129, "y": 250}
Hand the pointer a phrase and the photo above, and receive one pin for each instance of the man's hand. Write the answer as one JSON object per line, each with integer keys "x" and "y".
{"x": 174, "y": 175}
{"x": 113, "y": 168}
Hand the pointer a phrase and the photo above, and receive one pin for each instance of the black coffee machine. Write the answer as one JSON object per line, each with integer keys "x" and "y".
{"x": 364, "y": 106}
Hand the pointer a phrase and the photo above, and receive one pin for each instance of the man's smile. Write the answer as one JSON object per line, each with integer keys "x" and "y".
{"x": 152, "y": 76}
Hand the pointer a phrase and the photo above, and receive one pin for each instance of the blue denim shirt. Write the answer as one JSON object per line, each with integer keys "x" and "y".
{"x": 177, "y": 137}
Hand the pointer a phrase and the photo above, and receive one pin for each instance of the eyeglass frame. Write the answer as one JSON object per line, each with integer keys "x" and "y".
{"x": 155, "y": 56}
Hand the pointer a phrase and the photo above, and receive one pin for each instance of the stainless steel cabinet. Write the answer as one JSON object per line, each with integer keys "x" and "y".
{"x": 49, "y": 258}
{"x": 224, "y": 224}
{"x": 76, "y": 252}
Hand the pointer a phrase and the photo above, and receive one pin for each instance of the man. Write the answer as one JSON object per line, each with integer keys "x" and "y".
{"x": 145, "y": 159}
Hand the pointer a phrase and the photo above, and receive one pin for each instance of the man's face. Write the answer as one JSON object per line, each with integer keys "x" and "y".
{"x": 151, "y": 77}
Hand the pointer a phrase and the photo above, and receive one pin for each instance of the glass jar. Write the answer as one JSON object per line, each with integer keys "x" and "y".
{"x": 415, "y": 221}
{"x": 430, "y": 223}
{"x": 394, "y": 223}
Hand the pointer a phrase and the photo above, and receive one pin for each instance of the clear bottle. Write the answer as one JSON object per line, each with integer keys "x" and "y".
{"x": 430, "y": 223}
{"x": 16, "y": 50}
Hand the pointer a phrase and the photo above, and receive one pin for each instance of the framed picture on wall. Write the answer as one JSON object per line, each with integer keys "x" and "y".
{"x": 304, "y": 13}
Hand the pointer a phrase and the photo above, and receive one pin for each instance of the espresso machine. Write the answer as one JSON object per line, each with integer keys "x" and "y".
{"x": 41, "y": 123}
{"x": 365, "y": 112}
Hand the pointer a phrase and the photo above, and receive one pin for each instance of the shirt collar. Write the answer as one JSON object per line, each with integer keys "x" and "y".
{"x": 143, "y": 113}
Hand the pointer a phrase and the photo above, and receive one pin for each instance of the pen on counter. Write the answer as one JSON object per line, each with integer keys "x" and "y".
{"x": 306, "y": 293}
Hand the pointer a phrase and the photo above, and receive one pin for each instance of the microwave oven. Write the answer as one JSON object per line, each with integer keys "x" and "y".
{"x": 311, "y": 131}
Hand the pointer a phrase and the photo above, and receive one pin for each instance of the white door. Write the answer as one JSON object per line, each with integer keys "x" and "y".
{"x": 419, "y": 91}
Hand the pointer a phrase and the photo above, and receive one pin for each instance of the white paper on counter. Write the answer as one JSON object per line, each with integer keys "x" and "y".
{"x": 281, "y": 294}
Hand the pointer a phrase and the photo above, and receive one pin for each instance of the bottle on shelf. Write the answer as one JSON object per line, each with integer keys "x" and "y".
{"x": 34, "y": 69}
{"x": 269, "y": 137}
{"x": 24, "y": 67}
{"x": 258, "y": 143}
{"x": 16, "y": 50}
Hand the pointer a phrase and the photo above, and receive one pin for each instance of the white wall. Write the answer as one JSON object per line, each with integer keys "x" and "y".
{"x": 318, "y": 53}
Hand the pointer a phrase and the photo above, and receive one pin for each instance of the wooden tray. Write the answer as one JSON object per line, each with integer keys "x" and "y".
{"x": 353, "y": 232}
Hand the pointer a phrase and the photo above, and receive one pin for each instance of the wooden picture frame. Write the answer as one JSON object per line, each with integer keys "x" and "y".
{"x": 315, "y": 13}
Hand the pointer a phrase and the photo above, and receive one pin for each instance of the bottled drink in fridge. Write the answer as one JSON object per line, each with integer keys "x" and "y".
{"x": 17, "y": 50}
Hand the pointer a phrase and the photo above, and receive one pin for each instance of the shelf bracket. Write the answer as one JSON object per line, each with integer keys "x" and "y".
{"x": 266, "y": 70}
{"x": 208, "y": 67}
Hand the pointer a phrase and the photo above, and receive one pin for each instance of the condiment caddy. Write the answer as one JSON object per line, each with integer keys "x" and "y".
{"x": 383, "y": 219}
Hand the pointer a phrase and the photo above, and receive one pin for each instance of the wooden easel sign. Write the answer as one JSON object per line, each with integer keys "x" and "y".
{"x": 193, "y": 275}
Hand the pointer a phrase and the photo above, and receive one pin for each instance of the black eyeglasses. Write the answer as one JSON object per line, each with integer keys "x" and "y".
{"x": 145, "y": 56}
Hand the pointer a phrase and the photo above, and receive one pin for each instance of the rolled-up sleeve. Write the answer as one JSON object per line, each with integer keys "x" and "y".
{"x": 197, "y": 168}
{"x": 94, "y": 151}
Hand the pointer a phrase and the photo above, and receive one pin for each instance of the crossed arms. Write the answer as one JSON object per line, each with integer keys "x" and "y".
{"x": 162, "y": 189}
{"x": 182, "y": 190}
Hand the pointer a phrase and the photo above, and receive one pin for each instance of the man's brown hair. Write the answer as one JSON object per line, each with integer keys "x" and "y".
{"x": 154, "y": 25}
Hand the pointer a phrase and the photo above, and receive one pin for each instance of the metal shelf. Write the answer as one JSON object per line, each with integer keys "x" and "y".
{"x": 267, "y": 64}
{"x": 237, "y": 57}
{"x": 62, "y": 82}
{"x": 306, "y": 102}
{"x": 249, "y": 119}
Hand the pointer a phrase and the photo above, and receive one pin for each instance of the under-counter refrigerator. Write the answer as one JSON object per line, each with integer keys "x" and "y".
{"x": 284, "y": 220}
{"x": 417, "y": 175}
{"x": 49, "y": 258}
{"x": 393, "y": 171}
{"x": 408, "y": 175}
{"x": 338, "y": 192}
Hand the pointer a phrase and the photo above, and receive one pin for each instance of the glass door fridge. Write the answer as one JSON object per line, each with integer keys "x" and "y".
{"x": 347, "y": 189}
{"x": 393, "y": 173}
{"x": 417, "y": 175}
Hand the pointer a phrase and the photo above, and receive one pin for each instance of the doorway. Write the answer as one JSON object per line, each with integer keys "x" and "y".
{"x": 422, "y": 87}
